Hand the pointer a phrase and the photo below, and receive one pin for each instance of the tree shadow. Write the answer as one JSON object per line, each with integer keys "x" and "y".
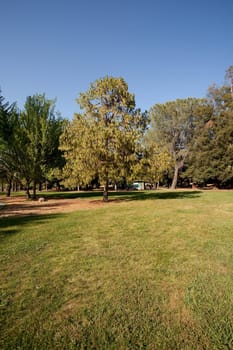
{"x": 72, "y": 195}
{"x": 153, "y": 195}
{"x": 129, "y": 195}
{"x": 11, "y": 225}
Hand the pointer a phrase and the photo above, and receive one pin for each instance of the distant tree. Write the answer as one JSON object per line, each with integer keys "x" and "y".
{"x": 220, "y": 98}
{"x": 211, "y": 157}
{"x": 104, "y": 139}
{"x": 199, "y": 163}
{"x": 80, "y": 157}
{"x": 222, "y": 129}
{"x": 39, "y": 131}
{"x": 54, "y": 160}
{"x": 6, "y": 127}
{"x": 8, "y": 118}
{"x": 173, "y": 126}
{"x": 152, "y": 164}
{"x": 229, "y": 77}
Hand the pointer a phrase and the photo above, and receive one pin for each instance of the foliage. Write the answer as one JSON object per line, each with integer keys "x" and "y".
{"x": 153, "y": 163}
{"x": 75, "y": 144}
{"x": 29, "y": 141}
{"x": 40, "y": 131}
{"x": 103, "y": 141}
{"x": 173, "y": 125}
{"x": 211, "y": 159}
{"x": 106, "y": 142}
{"x": 8, "y": 120}
{"x": 229, "y": 77}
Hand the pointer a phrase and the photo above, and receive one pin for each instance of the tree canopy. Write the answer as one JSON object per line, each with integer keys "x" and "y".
{"x": 173, "y": 125}
{"x": 103, "y": 140}
{"x": 41, "y": 131}
{"x": 30, "y": 141}
{"x": 111, "y": 142}
{"x": 211, "y": 157}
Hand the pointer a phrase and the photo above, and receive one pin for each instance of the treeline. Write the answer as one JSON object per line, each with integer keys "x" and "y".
{"x": 182, "y": 142}
{"x": 29, "y": 144}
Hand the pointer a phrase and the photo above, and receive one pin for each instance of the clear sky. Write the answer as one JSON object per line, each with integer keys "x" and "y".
{"x": 164, "y": 49}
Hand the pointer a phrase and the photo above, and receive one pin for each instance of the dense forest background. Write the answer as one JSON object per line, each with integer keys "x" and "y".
{"x": 186, "y": 142}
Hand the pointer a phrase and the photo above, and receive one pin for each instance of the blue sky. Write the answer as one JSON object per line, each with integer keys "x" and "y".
{"x": 164, "y": 49}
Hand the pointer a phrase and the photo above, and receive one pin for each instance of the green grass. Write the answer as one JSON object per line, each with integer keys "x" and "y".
{"x": 153, "y": 271}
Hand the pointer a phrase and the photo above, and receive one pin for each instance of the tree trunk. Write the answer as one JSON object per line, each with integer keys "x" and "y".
{"x": 175, "y": 177}
{"x": 105, "y": 194}
{"x": 124, "y": 183}
{"x": 179, "y": 164}
{"x": 28, "y": 190}
{"x": 8, "y": 192}
{"x": 34, "y": 190}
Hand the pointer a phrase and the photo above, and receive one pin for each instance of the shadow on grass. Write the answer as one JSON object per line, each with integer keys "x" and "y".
{"x": 13, "y": 225}
{"x": 129, "y": 195}
{"x": 72, "y": 195}
{"x": 9, "y": 225}
{"x": 164, "y": 195}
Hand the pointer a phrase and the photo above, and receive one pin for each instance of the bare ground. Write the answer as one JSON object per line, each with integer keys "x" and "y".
{"x": 20, "y": 206}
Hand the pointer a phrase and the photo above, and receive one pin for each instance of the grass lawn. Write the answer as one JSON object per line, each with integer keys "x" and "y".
{"x": 153, "y": 271}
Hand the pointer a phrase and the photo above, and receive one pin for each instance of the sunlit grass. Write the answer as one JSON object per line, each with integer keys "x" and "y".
{"x": 152, "y": 273}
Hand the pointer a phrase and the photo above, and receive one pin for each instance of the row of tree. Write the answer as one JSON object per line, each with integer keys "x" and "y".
{"x": 112, "y": 142}
{"x": 198, "y": 135}
{"x": 29, "y": 143}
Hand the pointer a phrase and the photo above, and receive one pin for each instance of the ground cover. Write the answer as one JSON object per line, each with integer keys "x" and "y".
{"x": 152, "y": 270}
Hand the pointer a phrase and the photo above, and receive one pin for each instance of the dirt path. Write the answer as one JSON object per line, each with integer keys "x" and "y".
{"x": 19, "y": 206}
